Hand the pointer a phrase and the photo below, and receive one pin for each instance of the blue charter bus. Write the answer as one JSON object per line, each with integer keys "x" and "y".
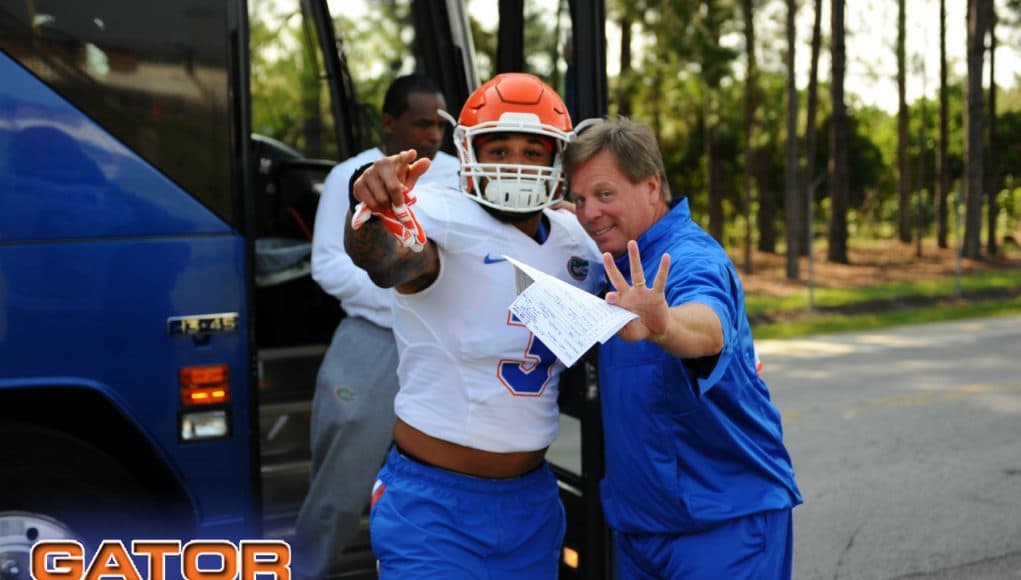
{"x": 159, "y": 330}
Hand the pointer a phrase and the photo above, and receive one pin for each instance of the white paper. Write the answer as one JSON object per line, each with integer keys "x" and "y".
{"x": 567, "y": 320}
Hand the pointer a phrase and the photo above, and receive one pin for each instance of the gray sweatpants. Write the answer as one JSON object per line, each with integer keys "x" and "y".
{"x": 352, "y": 429}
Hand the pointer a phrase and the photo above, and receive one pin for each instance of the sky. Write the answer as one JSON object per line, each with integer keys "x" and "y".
{"x": 871, "y": 49}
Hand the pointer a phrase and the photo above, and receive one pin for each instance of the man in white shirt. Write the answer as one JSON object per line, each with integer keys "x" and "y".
{"x": 352, "y": 411}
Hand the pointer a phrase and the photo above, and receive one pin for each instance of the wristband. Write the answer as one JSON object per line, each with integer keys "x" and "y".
{"x": 352, "y": 200}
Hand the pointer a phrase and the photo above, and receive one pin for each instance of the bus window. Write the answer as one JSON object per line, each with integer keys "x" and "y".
{"x": 380, "y": 41}
{"x": 153, "y": 75}
{"x": 291, "y": 100}
{"x": 376, "y": 41}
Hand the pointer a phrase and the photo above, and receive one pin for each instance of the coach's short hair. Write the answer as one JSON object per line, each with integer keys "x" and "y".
{"x": 633, "y": 144}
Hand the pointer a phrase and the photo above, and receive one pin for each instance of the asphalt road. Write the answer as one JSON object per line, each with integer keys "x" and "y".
{"x": 907, "y": 448}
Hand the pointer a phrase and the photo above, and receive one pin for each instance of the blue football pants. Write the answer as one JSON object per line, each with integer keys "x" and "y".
{"x": 428, "y": 522}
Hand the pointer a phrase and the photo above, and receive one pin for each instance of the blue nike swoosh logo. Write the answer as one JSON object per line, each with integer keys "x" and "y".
{"x": 489, "y": 260}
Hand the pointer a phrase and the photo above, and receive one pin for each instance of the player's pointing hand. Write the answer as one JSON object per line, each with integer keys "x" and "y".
{"x": 382, "y": 184}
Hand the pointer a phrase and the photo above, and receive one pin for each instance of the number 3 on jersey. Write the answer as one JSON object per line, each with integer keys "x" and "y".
{"x": 529, "y": 376}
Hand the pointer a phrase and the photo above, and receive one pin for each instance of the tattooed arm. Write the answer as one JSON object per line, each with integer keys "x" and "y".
{"x": 371, "y": 247}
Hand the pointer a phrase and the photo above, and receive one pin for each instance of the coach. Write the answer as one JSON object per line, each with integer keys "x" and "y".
{"x": 698, "y": 481}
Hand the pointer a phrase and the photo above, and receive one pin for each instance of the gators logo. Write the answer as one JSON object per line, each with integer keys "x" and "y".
{"x": 345, "y": 394}
{"x": 578, "y": 268}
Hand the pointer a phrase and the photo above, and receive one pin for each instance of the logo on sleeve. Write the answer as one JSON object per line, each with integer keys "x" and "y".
{"x": 578, "y": 268}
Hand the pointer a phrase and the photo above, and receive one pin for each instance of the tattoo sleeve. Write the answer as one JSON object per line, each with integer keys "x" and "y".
{"x": 374, "y": 250}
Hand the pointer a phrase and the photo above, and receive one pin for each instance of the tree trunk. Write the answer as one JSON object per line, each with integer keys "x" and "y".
{"x": 903, "y": 137}
{"x": 624, "y": 79}
{"x": 809, "y": 171}
{"x": 992, "y": 171}
{"x": 942, "y": 170}
{"x": 657, "y": 103}
{"x": 751, "y": 105}
{"x": 767, "y": 215}
{"x": 714, "y": 166}
{"x": 918, "y": 218}
{"x": 974, "y": 130}
{"x": 714, "y": 170}
{"x": 837, "y": 251}
{"x": 792, "y": 207}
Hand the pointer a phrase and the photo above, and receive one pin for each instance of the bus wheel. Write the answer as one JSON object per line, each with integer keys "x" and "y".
{"x": 18, "y": 532}
{"x": 73, "y": 484}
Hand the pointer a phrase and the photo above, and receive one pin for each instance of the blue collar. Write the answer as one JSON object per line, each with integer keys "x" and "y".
{"x": 679, "y": 213}
{"x": 541, "y": 234}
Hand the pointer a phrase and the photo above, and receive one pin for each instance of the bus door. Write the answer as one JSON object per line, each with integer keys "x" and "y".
{"x": 299, "y": 122}
{"x": 318, "y": 73}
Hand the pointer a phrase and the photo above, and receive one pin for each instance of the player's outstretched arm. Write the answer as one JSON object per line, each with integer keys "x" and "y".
{"x": 371, "y": 246}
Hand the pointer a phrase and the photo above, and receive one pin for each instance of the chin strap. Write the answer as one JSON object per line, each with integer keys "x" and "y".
{"x": 399, "y": 220}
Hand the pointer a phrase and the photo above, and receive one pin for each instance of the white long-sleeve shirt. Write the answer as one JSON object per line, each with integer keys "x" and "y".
{"x": 332, "y": 268}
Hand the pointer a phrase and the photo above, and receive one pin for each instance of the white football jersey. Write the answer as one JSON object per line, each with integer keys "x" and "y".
{"x": 469, "y": 372}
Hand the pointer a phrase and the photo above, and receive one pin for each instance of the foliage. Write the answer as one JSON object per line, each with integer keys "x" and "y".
{"x": 909, "y": 316}
{"x": 865, "y": 161}
{"x": 941, "y": 293}
{"x": 544, "y": 42}
{"x": 832, "y": 298}
{"x": 374, "y": 46}
{"x": 1008, "y": 156}
{"x": 668, "y": 85}
{"x": 275, "y": 72}
{"x": 289, "y": 96}
{"x": 686, "y": 72}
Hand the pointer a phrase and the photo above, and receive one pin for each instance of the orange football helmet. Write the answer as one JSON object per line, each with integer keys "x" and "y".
{"x": 512, "y": 103}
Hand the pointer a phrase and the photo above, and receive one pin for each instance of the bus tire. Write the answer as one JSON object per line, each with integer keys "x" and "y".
{"x": 52, "y": 474}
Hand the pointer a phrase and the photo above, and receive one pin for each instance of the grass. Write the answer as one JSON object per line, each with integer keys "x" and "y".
{"x": 798, "y": 320}
{"x": 836, "y": 297}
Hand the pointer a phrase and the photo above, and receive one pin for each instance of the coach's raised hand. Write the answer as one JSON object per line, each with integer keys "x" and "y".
{"x": 649, "y": 303}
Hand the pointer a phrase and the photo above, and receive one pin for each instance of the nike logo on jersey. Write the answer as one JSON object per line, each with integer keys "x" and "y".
{"x": 491, "y": 260}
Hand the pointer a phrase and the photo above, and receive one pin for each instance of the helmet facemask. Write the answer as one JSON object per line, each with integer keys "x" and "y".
{"x": 511, "y": 187}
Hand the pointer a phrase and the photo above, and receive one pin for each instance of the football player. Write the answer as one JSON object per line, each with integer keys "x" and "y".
{"x": 466, "y": 491}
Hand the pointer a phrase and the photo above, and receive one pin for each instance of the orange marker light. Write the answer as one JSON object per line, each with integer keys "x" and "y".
{"x": 205, "y": 375}
{"x": 205, "y": 396}
{"x": 205, "y": 385}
